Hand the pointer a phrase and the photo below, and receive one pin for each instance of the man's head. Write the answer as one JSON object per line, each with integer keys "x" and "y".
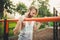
{"x": 33, "y": 11}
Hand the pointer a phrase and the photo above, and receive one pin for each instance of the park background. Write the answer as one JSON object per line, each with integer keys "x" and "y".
{"x": 12, "y": 9}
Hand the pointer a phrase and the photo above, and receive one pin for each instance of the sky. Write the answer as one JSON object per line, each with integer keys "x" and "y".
{"x": 53, "y": 3}
{"x": 26, "y": 2}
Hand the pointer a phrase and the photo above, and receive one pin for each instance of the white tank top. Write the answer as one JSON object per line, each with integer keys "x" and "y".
{"x": 28, "y": 27}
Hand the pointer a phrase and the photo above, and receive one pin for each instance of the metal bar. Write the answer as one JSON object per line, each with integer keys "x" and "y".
{"x": 5, "y": 30}
{"x": 43, "y": 19}
{"x": 55, "y": 26}
{"x": 55, "y": 31}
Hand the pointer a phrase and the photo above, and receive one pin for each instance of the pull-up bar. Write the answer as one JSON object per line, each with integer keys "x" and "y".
{"x": 43, "y": 19}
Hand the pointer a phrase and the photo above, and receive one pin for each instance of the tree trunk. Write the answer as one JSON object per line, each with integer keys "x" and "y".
{"x": 1, "y": 8}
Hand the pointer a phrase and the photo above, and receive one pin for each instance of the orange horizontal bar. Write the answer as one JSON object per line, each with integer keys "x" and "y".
{"x": 9, "y": 20}
{"x": 43, "y": 19}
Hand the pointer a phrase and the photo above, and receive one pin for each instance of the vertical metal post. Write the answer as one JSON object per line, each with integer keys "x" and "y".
{"x": 55, "y": 26}
{"x": 5, "y": 30}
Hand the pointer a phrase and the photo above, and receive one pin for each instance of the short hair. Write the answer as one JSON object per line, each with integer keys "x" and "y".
{"x": 33, "y": 7}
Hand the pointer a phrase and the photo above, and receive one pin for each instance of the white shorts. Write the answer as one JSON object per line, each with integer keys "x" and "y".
{"x": 25, "y": 36}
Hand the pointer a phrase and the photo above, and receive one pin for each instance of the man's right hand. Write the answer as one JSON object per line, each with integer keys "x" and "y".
{"x": 15, "y": 32}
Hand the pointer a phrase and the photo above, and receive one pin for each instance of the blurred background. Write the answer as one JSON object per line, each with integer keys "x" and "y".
{"x": 13, "y": 9}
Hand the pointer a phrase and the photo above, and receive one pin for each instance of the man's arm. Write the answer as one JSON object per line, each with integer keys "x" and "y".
{"x": 37, "y": 25}
{"x": 18, "y": 27}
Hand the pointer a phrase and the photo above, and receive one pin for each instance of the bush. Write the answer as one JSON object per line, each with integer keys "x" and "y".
{"x": 51, "y": 24}
{"x": 11, "y": 33}
{"x": 42, "y": 26}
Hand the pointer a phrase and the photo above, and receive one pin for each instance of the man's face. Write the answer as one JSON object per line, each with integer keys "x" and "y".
{"x": 33, "y": 12}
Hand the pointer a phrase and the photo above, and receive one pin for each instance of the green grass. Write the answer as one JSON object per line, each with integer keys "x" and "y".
{"x": 12, "y": 24}
{"x": 11, "y": 27}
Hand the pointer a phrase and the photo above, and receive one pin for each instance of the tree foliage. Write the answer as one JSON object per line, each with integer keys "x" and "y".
{"x": 21, "y": 8}
{"x": 43, "y": 8}
{"x": 7, "y": 4}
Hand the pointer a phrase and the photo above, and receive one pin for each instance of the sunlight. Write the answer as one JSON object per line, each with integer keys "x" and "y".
{"x": 54, "y": 3}
{"x": 15, "y": 2}
{"x": 17, "y": 15}
{"x": 26, "y": 2}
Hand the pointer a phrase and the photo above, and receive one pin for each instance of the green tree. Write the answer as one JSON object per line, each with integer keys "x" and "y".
{"x": 7, "y": 4}
{"x": 21, "y": 8}
{"x": 43, "y": 8}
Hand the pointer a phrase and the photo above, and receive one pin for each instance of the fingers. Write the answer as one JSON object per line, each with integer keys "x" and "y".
{"x": 15, "y": 31}
{"x": 22, "y": 18}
